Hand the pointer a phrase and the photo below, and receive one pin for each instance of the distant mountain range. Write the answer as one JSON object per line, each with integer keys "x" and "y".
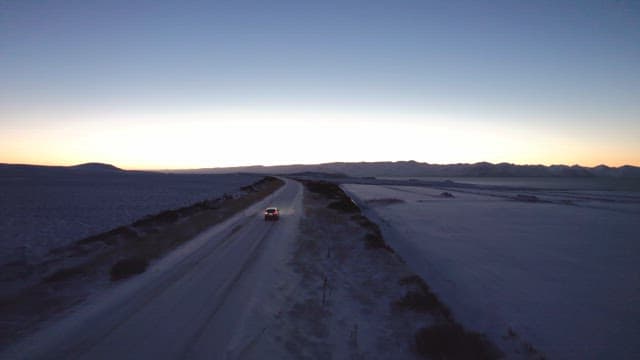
{"x": 418, "y": 169}
{"x": 361, "y": 169}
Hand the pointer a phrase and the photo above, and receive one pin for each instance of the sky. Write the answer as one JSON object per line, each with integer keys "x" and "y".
{"x": 147, "y": 84}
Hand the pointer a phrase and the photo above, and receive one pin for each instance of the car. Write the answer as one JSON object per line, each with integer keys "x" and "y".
{"x": 271, "y": 213}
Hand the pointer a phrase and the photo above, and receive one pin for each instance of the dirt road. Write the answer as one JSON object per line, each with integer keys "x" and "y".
{"x": 210, "y": 299}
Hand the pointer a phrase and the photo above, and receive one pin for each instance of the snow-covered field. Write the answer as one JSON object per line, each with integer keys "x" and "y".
{"x": 38, "y": 213}
{"x": 561, "y": 272}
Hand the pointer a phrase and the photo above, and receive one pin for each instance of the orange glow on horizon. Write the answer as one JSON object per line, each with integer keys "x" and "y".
{"x": 227, "y": 139}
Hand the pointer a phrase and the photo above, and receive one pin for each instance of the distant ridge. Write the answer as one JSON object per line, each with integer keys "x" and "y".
{"x": 95, "y": 166}
{"x": 45, "y": 170}
{"x": 361, "y": 169}
{"x": 418, "y": 169}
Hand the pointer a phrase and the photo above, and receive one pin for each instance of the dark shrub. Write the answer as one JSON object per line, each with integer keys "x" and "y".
{"x": 265, "y": 180}
{"x": 322, "y": 187}
{"x": 450, "y": 341}
{"x": 344, "y": 205}
{"x": 527, "y": 198}
{"x": 248, "y": 188}
{"x": 384, "y": 201}
{"x": 418, "y": 301}
{"x": 168, "y": 216}
{"x": 332, "y": 191}
{"x": 64, "y": 274}
{"x": 111, "y": 237}
{"x": 420, "y": 298}
{"x": 413, "y": 280}
{"x": 375, "y": 241}
{"x": 128, "y": 267}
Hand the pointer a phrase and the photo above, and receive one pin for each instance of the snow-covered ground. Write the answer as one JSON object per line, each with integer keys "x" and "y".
{"x": 562, "y": 272}
{"x": 42, "y": 212}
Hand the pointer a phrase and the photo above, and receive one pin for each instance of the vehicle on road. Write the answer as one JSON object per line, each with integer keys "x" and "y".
{"x": 271, "y": 213}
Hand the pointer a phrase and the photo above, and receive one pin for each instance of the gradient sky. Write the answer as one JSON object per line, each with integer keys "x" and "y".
{"x": 184, "y": 84}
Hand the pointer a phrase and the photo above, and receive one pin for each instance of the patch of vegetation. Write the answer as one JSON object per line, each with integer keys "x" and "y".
{"x": 366, "y": 223}
{"x": 447, "y": 339}
{"x": 451, "y": 341}
{"x": 375, "y": 241}
{"x": 110, "y": 237}
{"x": 128, "y": 267}
{"x": 169, "y": 216}
{"x": 418, "y": 301}
{"x": 384, "y": 201}
{"x": 344, "y": 205}
{"x": 248, "y": 188}
{"x": 360, "y": 219}
{"x": 412, "y": 280}
{"x": 527, "y": 198}
{"x": 325, "y": 188}
{"x": 332, "y": 191}
{"x": 64, "y": 274}
{"x": 419, "y": 298}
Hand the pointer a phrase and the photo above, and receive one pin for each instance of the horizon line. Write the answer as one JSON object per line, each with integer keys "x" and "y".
{"x": 309, "y": 164}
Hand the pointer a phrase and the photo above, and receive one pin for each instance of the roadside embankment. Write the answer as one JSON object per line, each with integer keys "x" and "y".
{"x": 358, "y": 299}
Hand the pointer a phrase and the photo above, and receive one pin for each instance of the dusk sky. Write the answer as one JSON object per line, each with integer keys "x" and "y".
{"x": 187, "y": 84}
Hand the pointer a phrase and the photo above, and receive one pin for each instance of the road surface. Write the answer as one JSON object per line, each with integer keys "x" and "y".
{"x": 210, "y": 299}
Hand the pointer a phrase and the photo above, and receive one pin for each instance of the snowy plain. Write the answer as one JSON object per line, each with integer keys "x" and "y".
{"x": 49, "y": 209}
{"x": 559, "y": 271}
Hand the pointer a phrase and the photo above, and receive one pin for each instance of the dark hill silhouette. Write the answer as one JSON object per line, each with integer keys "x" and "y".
{"x": 24, "y": 170}
{"x": 95, "y": 167}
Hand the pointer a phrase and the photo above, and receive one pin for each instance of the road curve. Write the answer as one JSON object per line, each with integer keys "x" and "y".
{"x": 209, "y": 299}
